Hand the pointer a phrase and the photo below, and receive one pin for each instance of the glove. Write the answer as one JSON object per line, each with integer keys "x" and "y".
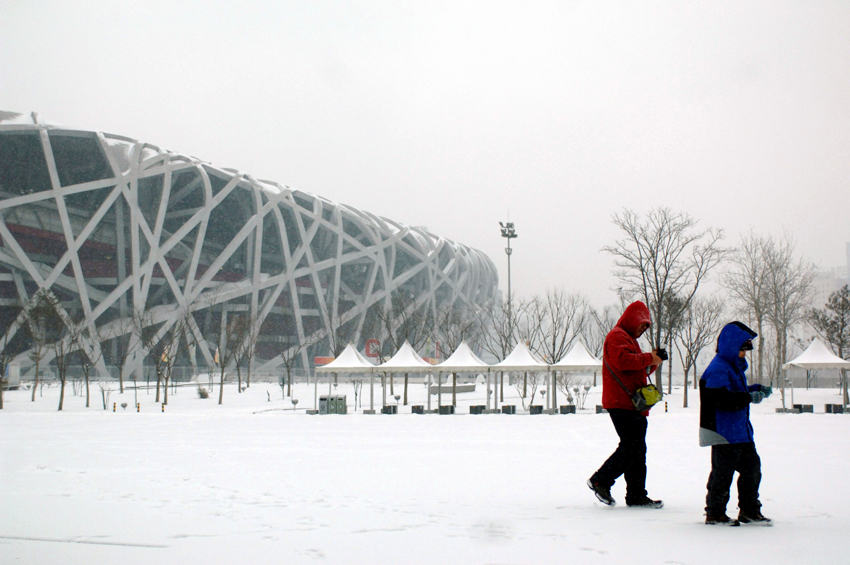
{"x": 757, "y": 396}
{"x": 766, "y": 390}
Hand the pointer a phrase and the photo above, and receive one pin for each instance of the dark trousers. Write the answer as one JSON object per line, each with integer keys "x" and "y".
{"x": 725, "y": 460}
{"x": 629, "y": 459}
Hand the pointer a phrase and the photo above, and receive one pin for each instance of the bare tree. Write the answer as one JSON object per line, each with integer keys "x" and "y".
{"x": 557, "y": 319}
{"x": 63, "y": 353}
{"x": 42, "y": 321}
{"x": 88, "y": 341}
{"x": 832, "y": 323}
{"x": 531, "y": 381}
{"x": 290, "y": 354}
{"x": 230, "y": 339}
{"x": 249, "y": 347}
{"x": 789, "y": 283}
{"x": 149, "y": 332}
{"x": 499, "y": 331}
{"x": 660, "y": 256}
{"x": 746, "y": 280}
{"x": 599, "y": 324}
{"x": 700, "y": 325}
{"x": 124, "y": 344}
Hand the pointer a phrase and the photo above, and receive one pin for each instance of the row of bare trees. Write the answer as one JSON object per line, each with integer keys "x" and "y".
{"x": 665, "y": 259}
{"x": 52, "y": 337}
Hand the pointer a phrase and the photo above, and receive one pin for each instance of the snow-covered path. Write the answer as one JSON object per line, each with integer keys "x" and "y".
{"x": 203, "y": 483}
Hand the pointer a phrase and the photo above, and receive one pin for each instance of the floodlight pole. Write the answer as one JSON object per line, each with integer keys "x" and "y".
{"x": 509, "y": 233}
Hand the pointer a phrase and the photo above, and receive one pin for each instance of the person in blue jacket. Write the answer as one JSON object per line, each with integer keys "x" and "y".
{"x": 725, "y": 399}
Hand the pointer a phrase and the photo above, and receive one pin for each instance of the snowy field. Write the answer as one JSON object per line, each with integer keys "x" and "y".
{"x": 255, "y": 482}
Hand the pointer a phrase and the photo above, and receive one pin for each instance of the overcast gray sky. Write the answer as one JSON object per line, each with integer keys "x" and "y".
{"x": 453, "y": 115}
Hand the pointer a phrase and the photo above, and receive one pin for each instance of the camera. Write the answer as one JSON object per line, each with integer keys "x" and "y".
{"x": 662, "y": 353}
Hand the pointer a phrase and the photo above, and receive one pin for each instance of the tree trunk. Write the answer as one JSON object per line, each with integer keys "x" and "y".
{"x": 61, "y": 393}
{"x": 86, "y": 373}
{"x": 524, "y": 384}
{"x": 165, "y": 388}
{"x": 685, "y": 390}
{"x": 121, "y": 378}
{"x": 502, "y": 386}
{"x": 221, "y": 386}
{"x": 238, "y": 379}
{"x": 405, "y": 389}
{"x": 35, "y": 382}
{"x": 392, "y": 388}
{"x": 158, "y": 378}
{"x": 289, "y": 382}
{"x": 670, "y": 373}
{"x": 454, "y": 389}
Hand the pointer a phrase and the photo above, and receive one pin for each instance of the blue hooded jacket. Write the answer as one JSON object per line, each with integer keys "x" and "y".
{"x": 724, "y": 392}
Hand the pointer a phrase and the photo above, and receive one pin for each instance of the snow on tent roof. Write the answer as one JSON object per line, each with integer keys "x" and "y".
{"x": 406, "y": 359}
{"x": 521, "y": 359}
{"x": 818, "y": 356}
{"x": 578, "y": 359}
{"x": 349, "y": 361}
{"x": 463, "y": 359}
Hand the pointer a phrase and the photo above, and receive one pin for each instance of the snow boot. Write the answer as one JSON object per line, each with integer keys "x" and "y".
{"x": 602, "y": 493}
{"x": 754, "y": 518}
{"x": 720, "y": 519}
{"x": 645, "y": 502}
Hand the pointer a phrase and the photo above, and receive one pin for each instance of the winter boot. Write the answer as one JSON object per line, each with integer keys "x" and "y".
{"x": 753, "y": 517}
{"x": 645, "y": 502}
{"x": 602, "y": 493}
{"x": 721, "y": 519}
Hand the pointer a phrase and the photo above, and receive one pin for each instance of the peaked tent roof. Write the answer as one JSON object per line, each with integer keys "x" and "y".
{"x": 521, "y": 359}
{"x": 349, "y": 361}
{"x": 818, "y": 356}
{"x": 463, "y": 359}
{"x": 406, "y": 359}
{"x": 578, "y": 359}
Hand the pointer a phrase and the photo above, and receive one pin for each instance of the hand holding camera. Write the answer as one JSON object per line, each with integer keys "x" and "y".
{"x": 662, "y": 353}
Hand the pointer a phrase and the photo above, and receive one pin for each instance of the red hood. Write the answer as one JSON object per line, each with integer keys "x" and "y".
{"x": 636, "y": 314}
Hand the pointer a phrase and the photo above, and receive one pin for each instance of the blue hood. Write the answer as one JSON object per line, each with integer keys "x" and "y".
{"x": 731, "y": 338}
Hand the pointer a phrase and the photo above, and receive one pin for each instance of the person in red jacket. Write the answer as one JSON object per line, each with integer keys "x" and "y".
{"x": 622, "y": 354}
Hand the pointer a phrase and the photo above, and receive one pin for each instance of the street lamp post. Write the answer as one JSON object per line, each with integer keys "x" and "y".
{"x": 509, "y": 233}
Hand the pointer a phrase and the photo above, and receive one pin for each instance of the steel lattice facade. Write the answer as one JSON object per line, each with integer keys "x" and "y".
{"x": 113, "y": 225}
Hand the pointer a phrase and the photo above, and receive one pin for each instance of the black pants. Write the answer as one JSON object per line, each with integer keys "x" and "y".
{"x": 725, "y": 460}
{"x": 629, "y": 459}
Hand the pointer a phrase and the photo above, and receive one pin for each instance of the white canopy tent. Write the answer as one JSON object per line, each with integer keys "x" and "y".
{"x": 406, "y": 360}
{"x": 818, "y": 356}
{"x": 578, "y": 360}
{"x": 521, "y": 359}
{"x": 461, "y": 361}
{"x": 349, "y": 361}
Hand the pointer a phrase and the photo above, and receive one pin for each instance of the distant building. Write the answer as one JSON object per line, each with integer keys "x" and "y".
{"x": 113, "y": 225}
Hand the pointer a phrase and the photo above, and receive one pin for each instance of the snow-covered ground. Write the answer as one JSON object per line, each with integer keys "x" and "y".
{"x": 253, "y": 481}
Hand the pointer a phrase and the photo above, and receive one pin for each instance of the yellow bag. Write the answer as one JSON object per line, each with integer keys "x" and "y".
{"x": 646, "y": 397}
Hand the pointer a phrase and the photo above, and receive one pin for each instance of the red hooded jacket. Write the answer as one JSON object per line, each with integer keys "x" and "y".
{"x": 622, "y": 353}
